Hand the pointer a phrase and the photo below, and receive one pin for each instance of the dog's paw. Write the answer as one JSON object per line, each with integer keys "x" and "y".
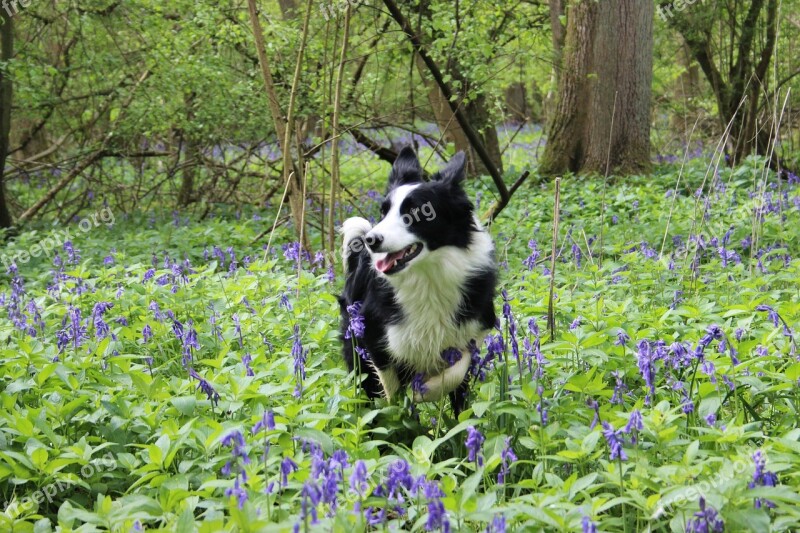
{"x": 435, "y": 387}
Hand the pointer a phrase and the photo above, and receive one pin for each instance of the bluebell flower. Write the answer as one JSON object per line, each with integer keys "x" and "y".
{"x": 498, "y": 524}
{"x": 285, "y": 303}
{"x": 614, "y": 442}
{"x": 310, "y": 497}
{"x": 287, "y": 467}
{"x": 205, "y": 386}
{"x": 356, "y": 326}
{"x": 73, "y": 330}
{"x": 647, "y": 368}
{"x": 238, "y": 491}
{"x": 588, "y": 526}
{"x": 622, "y": 338}
{"x": 451, "y": 356}
{"x": 474, "y": 443}
{"x": 437, "y": 516}
{"x": 418, "y": 384}
{"x": 358, "y": 478}
{"x": 706, "y": 520}
{"x": 530, "y": 261}
{"x": 762, "y": 478}
{"x": 267, "y": 422}
{"x": 507, "y": 458}
{"x": 576, "y": 254}
{"x": 634, "y": 426}
{"x": 147, "y": 333}
{"x": 299, "y": 356}
{"x": 100, "y": 326}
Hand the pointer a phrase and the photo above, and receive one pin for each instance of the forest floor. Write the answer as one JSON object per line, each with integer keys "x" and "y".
{"x": 166, "y": 374}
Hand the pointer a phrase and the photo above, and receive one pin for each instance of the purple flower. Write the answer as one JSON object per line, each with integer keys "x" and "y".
{"x": 498, "y": 525}
{"x": 773, "y": 315}
{"x": 588, "y": 526}
{"x": 706, "y": 520}
{"x": 451, "y": 356}
{"x": 437, "y": 516}
{"x": 530, "y": 261}
{"x": 310, "y": 499}
{"x": 73, "y": 329}
{"x": 100, "y": 326}
{"x": 614, "y": 442}
{"x": 398, "y": 477}
{"x": 238, "y": 491}
{"x": 634, "y": 426}
{"x": 237, "y": 328}
{"x": 356, "y": 326}
{"x": 507, "y": 457}
{"x": 147, "y": 333}
{"x": 647, "y": 368}
{"x": 73, "y": 255}
{"x": 188, "y": 341}
{"x": 576, "y": 254}
{"x": 711, "y": 419}
{"x": 267, "y": 422}
{"x": 762, "y": 478}
{"x": 619, "y": 387}
{"x": 287, "y": 467}
{"x": 622, "y": 338}
{"x": 285, "y": 303}
{"x": 418, "y": 384}
{"x": 235, "y": 440}
{"x": 575, "y": 323}
{"x": 205, "y": 386}
{"x": 473, "y": 443}
{"x": 358, "y": 478}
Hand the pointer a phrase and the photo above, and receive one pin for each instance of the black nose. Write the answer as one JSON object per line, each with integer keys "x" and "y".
{"x": 373, "y": 241}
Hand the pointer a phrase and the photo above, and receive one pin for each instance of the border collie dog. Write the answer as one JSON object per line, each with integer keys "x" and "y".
{"x": 420, "y": 284}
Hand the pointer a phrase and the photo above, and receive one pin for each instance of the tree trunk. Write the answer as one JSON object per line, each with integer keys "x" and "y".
{"x": 6, "y": 53}
{"x": 606, "y": 80}
{"x": 191, "y": 157}
{"x": 623, "y": 59}
{"x": 565, "y": 150}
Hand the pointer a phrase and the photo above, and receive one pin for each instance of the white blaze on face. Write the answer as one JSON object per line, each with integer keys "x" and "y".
{"x": 394, "y": 227}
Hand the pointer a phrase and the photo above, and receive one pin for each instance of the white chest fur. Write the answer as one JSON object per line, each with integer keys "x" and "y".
{"x": 430, "y": 295}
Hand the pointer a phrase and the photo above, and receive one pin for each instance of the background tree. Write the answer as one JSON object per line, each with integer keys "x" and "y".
{"x": 606, "y": 74}
{"x": 6, "y": 53}
{"x": 735, "y": 59}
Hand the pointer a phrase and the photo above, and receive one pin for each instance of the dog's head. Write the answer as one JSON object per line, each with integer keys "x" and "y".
{"x": 420, "y": 217}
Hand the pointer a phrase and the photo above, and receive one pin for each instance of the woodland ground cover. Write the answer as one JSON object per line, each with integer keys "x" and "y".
{"x": 170, "y": 374}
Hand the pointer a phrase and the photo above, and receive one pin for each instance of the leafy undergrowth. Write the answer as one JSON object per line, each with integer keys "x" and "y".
{"x": 168, "y": 375}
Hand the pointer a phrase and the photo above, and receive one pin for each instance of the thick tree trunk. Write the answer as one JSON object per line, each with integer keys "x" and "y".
{"x": 623, "y": 60}
{"x": 6, "y": 53}
{"x": 606, "y": 79}
{"x": 565, "y": 149}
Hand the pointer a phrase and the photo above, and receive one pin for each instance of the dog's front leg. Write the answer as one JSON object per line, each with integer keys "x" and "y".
{"x": 437, "y": 386}
{"x": 389, "y": 381}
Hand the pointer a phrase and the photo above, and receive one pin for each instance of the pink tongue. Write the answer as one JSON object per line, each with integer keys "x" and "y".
{"x": 388, "y": 262}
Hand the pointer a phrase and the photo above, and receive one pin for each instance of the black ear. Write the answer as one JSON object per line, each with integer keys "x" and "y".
{"x": 453, "y": 173}
{"x": 406, "y": 168}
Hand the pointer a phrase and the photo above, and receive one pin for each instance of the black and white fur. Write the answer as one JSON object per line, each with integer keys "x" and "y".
{"x": 439, "y": 295}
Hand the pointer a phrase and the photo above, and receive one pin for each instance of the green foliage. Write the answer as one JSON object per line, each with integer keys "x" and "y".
{"x": 112, "y": 431}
